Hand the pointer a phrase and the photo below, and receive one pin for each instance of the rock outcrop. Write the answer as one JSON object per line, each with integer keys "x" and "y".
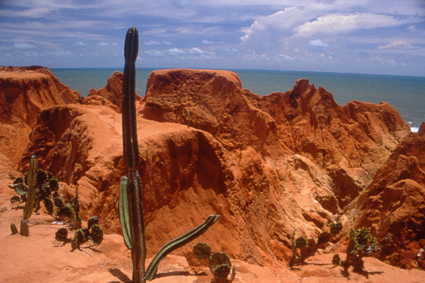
{"x": 24, "y": 91}
{"x": 395, "y": 201}
{"x": 348, "y": 143}
{"x": 269, "y": 165}
{"x": 110, "y": 95}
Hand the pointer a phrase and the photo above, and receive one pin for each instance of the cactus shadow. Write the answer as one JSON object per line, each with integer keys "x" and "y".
{"x": 177, "y": 273}
{"x": 119, "y": 275}
{"x": 365, "y": 273}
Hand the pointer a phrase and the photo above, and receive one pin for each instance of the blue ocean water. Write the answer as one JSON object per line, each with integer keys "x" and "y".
{"x": 406, "y": 94}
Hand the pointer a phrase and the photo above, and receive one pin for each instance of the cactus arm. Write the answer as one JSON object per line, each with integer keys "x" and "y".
{"x": 179, "y": 242}
{"x": 129, "y": 123}
{"x": 32, "y": 182}
{"x": 233, "y": 274}
{"x": 13, "y": 229}
{"x": 124, "y": 212}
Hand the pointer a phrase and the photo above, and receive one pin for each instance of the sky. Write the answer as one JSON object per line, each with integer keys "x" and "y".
{"x": 349, "y": 36}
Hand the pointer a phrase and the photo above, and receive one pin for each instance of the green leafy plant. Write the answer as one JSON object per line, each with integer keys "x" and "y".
{"x": 303, "y": 248}
{"x": 19, "y": 187}
{"x": 130, "y": 188}
{"x": 219, "y": 263}
{"x": 93, "y": 232}
{"x": 46, "y": 184}
{"x": 361, "y": 244}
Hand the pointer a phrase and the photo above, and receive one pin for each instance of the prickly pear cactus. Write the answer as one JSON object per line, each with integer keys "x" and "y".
{"x": 61, "y": 235}
{"x": 19, "y": 188}
{"x": 96, "y": 234}
{"x": 78, "y": 239}
{"x": 202, "y": 250}
{"x": 48, "y": 204}
{"x": 18, "y": 180}
{"x": 58, "y": 202}
{"x": 41, "y": 177}
{"x": 301, "y": 242}
{"x": 92, "y": 220}
{"x": 336, "y": 228}
{"x": 336, "y": 260}
{"x": 220, "y": 264}
{"x": 15, "y": 199}
{"x": 324, "y": 237}
{"x": 54, "y": 184}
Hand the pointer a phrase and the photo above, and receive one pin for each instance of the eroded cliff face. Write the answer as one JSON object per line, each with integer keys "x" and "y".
{"x": 269, "y": 165}
{"x": 348, "y": 143}
{"x": 24, "y": 91}
{"x": 395, "y": 201}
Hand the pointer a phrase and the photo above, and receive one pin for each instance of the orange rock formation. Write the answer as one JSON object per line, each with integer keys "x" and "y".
{"x": 267, "y": 164}
{"x": 24, "y": 91}
{"x": 110, "y": 95}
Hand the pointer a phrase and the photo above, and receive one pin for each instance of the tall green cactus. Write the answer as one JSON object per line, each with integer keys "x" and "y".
{"x": 131, "y": 157}
{"x": 29, "y": 205}
{"x": 130, "y": 188}
{"x": 188, "y": 117}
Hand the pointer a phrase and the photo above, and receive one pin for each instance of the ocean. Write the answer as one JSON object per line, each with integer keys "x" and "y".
{"x": 406, "y": 94}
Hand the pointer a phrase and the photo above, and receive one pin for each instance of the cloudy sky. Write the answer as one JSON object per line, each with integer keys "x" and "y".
{"x": 352, "y": 36}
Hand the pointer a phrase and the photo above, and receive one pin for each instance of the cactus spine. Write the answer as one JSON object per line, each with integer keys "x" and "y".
{"x": 29, "y": 205}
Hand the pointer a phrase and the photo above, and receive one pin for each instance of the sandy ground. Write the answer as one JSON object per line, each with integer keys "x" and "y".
{"x": 39, "y": 258}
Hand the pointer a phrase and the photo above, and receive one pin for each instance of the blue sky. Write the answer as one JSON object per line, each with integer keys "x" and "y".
{"x": 352, "y": 36}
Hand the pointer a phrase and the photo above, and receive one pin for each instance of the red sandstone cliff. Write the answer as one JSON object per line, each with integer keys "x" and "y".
{"x": 24, "y": 91}
{"x": 348, "y": 143}
{"x": 110, "y": 95}
{"x": 395, "y": 201}
{"x": 268, "y": 164}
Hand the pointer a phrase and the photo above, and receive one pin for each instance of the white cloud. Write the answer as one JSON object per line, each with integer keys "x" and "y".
{"x": 343, "y": 23}
{"x": 152, "y": 42}
{"x": 154, "y": 52}
{"x": 24, "y": 45}
{"x": 399, "y": 44}
{"x": 103, "y": 43}
{"x": 175, "y": 51}
{"x": 59, "y": 53}
{"x": 196, "y": 50}
{"x": 286, "y": 57}
{"x": 79, "y": 43}
{"x": 166, "y": 42}
{"x": 283, "y": 20}
{"x": 318, "y": 43}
